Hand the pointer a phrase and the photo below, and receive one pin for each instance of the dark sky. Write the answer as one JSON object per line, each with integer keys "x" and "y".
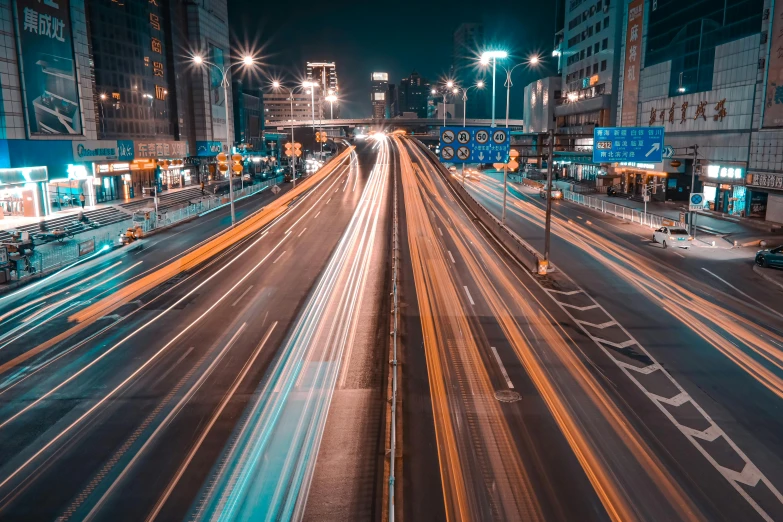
{"x": 395, "y": 37}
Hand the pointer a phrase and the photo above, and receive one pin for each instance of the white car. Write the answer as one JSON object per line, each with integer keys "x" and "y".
{"x": 672, "y": 236}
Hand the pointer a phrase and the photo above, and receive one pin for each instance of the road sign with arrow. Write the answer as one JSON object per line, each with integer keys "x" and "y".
{"x": 635, "y": 144}
{"x": 474, "y": 144}
{"x": 668, "y": 151}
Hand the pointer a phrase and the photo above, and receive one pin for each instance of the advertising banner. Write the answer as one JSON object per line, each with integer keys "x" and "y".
{"x": 633, "y": 62}
{"x": 773, "y": 105}
{"x": 217, "y": 95}
{"x": 47, "y": 66}
{"x": 209, "y": 148}
{"x": 100, "y": 150}
{"x": 160, "y": 149}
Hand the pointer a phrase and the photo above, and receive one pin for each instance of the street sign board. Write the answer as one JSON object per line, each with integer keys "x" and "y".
{"x": 696, "y": 202}
{"x": 615, "y": 144}
{"x": 275, "y": 189}
{"x": 668, "y": 151}
{"x": 3, "y": 256}
{"x": 474, "y": 144}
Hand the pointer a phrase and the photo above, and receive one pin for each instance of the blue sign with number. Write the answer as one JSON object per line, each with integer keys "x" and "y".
{"x": 474, "y": 144}
{"x": 637, "y": 144}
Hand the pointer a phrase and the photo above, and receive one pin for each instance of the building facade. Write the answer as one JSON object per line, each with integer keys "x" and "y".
{"x": 379, "y": 92}
{"x": 539, "y": 104}
{"x": 325, "y": 75}
{"x": 248, "y": 118}
{"x": 698, "y": 72}
{"x": 278, "y": 110}
{"x": 413, "y": 93}
{"x": 590, "y": 74}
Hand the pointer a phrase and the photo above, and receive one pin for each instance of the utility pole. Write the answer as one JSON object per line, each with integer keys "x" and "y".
{"x": 505, "y": 190}
{"x": 548, "y": 226}
{"x": 691, "y": 214}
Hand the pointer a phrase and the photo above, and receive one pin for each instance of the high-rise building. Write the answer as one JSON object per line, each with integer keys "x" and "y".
{"x": 325, "y": 75}
{"x": 413, "y": 93}
{"x": 590, "y": 71}
{"x": 379, "y": 92}
{"x": 278, "y": 108}
{"x": 248, "y": 117}
{"x": 393, "y": 101}
{"x": 468, "y": 45}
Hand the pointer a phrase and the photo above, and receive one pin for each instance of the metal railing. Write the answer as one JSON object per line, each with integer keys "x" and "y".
{"x": 627, "y": 213}
{"x": 393, "y": 431}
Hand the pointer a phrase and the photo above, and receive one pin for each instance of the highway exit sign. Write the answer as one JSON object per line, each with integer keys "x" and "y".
{"x": 616, "y": 144}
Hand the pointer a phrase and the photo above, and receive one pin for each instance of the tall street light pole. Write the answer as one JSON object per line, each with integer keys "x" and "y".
{"x": 485, "y": 59}
{"x": 479, "y": 85}
{"x": 533, "y": 60}
{"x": 548, "y": 225}
{"x": 224, "y": 70}
{"x": 278, "y": 85}
{"x": 331, "y": 99}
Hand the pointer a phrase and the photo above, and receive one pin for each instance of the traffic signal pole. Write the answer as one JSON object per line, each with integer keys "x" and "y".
{"x": 548, "y": 226}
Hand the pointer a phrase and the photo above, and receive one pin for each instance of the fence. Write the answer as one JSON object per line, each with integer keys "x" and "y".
{"x": 54, "y": 255}
{"x": 630, "y": 214}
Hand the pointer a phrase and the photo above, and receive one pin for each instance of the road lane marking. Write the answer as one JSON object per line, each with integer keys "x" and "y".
{"x": 328, "y": 200}
{"x": 278, "y": 257}
{"x": 302, "y": 232}
{"x": 469, "y": 296}
{"x": 451, "y": 256}
{"x": 502, "y": 368}
{"x": 580, "y": 308}
{"x": 244, "y": 293}
{"x": 316, "y": 216}
{"x": 441, "y": 231}
{"x": 742, "y": 293}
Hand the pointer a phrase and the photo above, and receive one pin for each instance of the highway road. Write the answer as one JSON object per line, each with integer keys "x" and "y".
{"x": 638, "y": 398}
{"x": 135, "y": 390}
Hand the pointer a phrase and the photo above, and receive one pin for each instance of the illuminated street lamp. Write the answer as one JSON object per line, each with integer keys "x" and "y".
{"x": 479, "y": 85}
{"x": 247, "y": 61}
{"x": 331, "y": 98}
{"x": 277, "y": 85}
{"x": 493, "y": 56}
{"x": 449, "y": 87}
{"x": 533, "y": 60}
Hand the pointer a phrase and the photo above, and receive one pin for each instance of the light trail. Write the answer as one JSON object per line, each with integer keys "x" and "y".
{"x": 267, "y": 470}
{"x": 616, "y": 469}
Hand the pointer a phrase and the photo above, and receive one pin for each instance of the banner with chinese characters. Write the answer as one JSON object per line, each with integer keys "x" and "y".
{"x": 633, "y": 62}
{"x": 160, "y": 149}
{"x": 47, "y": 66}
{"x": 772, "y": 181}
{"x": 217, "y": 94}
{"x": 773, "y": 105}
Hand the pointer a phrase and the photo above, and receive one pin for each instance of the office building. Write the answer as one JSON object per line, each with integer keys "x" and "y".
{"x": 468, "y": 42}
{"x": 413, "y": 93}
{"x": 540, "y": 99}
{"x": 325, "y": 75}
{"x": 248, "y": 117}
{"x": 590, "y": 76}
{"x": 698, "y": 73}
{"x": 278, "y": 110}
{"x": 379, "y": 91}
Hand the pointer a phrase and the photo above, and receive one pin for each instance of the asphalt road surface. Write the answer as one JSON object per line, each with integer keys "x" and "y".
{"x": 134, "y": 390}
{"x": 645, "y": 393}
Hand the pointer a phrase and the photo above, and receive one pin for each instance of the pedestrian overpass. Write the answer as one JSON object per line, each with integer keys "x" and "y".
{"x": 424, "y": 125}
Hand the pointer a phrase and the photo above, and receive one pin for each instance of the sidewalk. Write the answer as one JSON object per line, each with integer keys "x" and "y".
{"x": 771, "y": 275}
{"x": 14, "y": 222}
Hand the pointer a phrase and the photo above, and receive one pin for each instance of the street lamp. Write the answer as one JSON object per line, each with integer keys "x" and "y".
{"x": 533, "y": 60}
{"x": 449, "y": 87}
{"x": 485, "y": 59}
{"x": 312, "y": 86}
{"x": 331, "y": 99}
{"x": 479, "y": 85}
{"x": 247, "y": 61}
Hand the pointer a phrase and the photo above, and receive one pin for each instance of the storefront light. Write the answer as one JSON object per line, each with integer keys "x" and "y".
{"x": 712, "y": 171}
{"x": 77, "y": 172}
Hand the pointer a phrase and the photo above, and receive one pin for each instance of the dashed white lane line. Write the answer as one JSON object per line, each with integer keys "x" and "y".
{"x": 502, "y": 368}
{"x": 678, "y": 254}
{"x": 742, "y": 293}
{"x": 302, "y": 232}
{"x": 241, "y": 296}
{"x": 278, "y": 257}
{"x": 328, "y": 200}
{"x": 451, "y": 257}
{"x": 441, "y": 231}
{"x": 319, "y": 213}
{"x": 470, "y": 298}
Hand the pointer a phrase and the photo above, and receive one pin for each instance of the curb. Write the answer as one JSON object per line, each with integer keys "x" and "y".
{"x": 761, "y": 271}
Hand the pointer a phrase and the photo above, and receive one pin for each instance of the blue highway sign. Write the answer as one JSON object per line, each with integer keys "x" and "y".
{"x": 474, "y": 144}
{"x": 612, "y": 144}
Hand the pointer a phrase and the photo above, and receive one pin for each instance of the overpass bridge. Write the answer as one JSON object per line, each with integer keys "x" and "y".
{"x": 388, "y": 123}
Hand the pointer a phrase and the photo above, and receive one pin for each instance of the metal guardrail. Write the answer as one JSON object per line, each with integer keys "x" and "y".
{"x": 393, "y": 431}
{"x": 627, "y": 213}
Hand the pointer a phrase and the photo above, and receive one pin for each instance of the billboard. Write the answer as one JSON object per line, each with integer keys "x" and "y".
{"x": 47, "y": 66}
{"x": 216, "y": 93}
{"x": 773, "y": 104}
{"x": 633, "y": 62}
{"x": 380, "y": 77}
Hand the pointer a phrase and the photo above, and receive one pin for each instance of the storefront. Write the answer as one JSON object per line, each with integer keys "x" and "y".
{"x": 22, "y": 191}
{"x": 765, "y": 196}
{"x": 577, "y": 165}
{"x": 724, "y": 189}
{"x": 640, "y": 179}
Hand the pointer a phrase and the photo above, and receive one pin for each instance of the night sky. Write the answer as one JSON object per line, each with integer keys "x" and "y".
{"x": 395, "y": 37}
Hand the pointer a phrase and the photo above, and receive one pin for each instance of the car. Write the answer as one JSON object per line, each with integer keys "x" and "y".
{"x": 770, "y": 257}
{"x": 672, "y": 236}
{"x": 556, "y": 194}
{"x": 612, "y": 191}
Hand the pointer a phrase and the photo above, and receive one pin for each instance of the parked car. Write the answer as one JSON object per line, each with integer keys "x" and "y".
{"x": 612, "y": 191}
{"x": 556, "y": 194}
{"x": 770, "y": 257}
{"x": 669, "y": 236}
